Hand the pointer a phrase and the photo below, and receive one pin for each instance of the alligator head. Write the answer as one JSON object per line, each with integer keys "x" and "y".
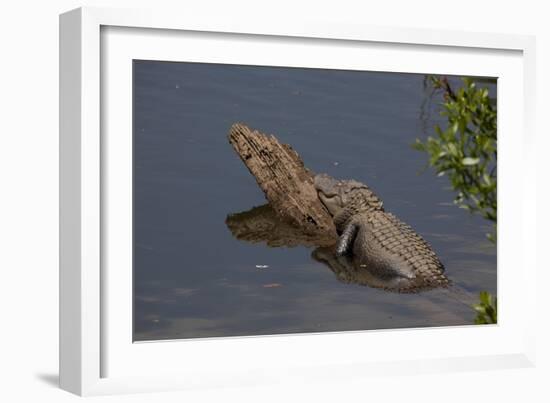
{"x": 337, "y": 195}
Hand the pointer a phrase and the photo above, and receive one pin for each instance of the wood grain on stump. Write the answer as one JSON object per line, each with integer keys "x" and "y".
{"x": 286, "y": 183}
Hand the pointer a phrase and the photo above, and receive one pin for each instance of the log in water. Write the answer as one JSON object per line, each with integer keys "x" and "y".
{"x": 285, "y": 181}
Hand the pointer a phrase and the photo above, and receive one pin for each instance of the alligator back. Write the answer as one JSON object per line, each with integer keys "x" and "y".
{"x": 387, "y": 247}
{"x": 375, "y": 241}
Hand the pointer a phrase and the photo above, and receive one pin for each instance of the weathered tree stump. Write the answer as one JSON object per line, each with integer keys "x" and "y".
{"x": 286, "y": 183}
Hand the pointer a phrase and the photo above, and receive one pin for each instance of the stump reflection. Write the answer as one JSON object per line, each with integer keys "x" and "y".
{"x": 262, "y": 225}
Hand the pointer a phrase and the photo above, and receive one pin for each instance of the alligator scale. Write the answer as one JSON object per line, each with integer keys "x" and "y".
{"x": 375, "y": 245}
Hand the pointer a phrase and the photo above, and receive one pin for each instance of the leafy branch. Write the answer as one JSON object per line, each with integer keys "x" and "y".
{"x": 466, "y": 150}
{"x": 486, "y": 309}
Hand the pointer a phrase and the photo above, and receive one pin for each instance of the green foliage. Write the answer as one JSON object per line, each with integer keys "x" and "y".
{"x": 486, "y": 309}
{"x": 466, "y": 150}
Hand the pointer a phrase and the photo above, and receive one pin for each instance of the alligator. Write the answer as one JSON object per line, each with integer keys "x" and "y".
{"x": 391, "y": 254}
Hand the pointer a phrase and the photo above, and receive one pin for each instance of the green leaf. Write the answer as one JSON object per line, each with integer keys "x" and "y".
{"x": 418, "y": 145}
{"x": 470, "y": 161}
{"x": 452, "y": 149}
{"x": 454, "y": 127}
{"x": 479, "y": 308}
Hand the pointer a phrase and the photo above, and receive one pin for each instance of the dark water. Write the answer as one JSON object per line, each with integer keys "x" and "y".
{"x": 192, "y": 278}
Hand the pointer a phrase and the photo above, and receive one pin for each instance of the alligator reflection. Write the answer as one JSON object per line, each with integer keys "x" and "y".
{"x": 349, "y": 270}
{"x": 262, "y": 225}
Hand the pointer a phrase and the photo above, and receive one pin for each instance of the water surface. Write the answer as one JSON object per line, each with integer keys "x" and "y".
{"x": 192, "y": 278}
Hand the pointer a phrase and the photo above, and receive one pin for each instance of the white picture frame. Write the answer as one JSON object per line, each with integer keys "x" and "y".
{"x": 96, "y": 355}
